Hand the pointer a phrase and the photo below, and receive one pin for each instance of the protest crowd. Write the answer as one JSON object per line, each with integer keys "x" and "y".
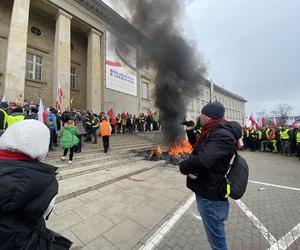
{"x": 71, "y": 127}
{"x": 284, "y": 140}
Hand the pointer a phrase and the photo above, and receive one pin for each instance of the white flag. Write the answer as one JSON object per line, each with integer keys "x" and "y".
{"x": 41, "y": 111}
{"x": 3, "y": 99}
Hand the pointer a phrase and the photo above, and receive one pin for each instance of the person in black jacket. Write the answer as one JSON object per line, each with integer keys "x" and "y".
{"x": 28, "y": 186}
{"x": 207, "y": 166}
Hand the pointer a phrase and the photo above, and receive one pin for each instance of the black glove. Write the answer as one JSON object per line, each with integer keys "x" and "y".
{"x": 183, "y": 168}
{"x": 188, "y": 123}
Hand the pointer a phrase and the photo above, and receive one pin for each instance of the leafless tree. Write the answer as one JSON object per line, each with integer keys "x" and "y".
{"x": 282, "y": 112}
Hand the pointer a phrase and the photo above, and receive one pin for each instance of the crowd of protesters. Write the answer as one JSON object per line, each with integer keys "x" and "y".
{"x": 75, "y": 126}
{"x": 70, "y": 128}
{"x": 276, "y": 139}
{"x": 284, "y": 140}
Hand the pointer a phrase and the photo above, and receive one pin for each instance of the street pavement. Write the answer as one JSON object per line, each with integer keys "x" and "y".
{"x": 267, "y": 216}
{"x": 154, "y": 210}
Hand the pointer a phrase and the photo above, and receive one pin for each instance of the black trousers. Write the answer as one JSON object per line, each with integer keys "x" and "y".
{"x": 105, "y": 140}
{"x": 298, "y": 150}
{"x": 79, "y": 145}
{"x": 53, "y": 138}
{"x": 71, "y": 153}
{"x": 118, "y": 128}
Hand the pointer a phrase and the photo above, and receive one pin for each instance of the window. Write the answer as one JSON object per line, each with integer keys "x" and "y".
{"x": 34, "y": 66}
{"x": 73, "y": 77}
{"x": 36, "y": 31}
{"x": 145, "y": 90}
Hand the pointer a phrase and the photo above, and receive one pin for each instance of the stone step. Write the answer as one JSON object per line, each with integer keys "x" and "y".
{"x": 80, "y": 160}
{"x": 84, "y": 183}
{"x": 73, "y": 172}
{"x": 98, "y": 148}
{"x": 85, "y": 158}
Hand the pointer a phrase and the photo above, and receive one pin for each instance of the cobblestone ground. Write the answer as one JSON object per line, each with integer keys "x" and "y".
{"x": 271, "y": 213}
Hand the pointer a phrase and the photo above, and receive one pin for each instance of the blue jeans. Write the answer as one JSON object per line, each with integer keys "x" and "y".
{"x": 213, "y": 214}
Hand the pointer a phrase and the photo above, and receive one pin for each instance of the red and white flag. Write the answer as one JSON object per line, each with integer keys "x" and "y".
{"x": 290, "y": 121}
{"x": 274, "y": 123}
{"x": 41, "y": 112}
{"x": 59, "y": 97}
{"x": 263, "y": 120}
{"x": 110, "y": 113}
{"x": 254, "y": 122}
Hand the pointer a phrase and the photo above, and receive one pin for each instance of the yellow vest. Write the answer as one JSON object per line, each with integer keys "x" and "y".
{"x": 259, "y": 134}
{"x": 13, "y": 119}
{"x": 284, "y": 134}
{"x": 5, "y": 117}
{"x": 298, "y": 137}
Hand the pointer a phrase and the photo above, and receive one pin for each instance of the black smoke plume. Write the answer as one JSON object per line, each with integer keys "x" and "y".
{"x": 180, "y": 72}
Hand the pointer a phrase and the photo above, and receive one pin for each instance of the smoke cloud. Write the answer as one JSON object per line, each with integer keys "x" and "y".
{"x": 180, "y": 72}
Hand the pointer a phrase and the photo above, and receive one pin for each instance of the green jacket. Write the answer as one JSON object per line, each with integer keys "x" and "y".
{"x": 69, "y": 137}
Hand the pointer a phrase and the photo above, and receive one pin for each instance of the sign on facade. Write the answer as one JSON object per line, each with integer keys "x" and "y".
{"x": 120, "y": 65}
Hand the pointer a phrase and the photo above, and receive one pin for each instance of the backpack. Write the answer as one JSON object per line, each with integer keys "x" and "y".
{"x": 236, "y": 179}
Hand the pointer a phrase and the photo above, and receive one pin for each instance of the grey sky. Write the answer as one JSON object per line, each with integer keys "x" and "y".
{"x": 251, "y": 47}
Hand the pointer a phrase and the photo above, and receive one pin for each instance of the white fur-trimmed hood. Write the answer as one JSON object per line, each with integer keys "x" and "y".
{"x": 30, "y": 137}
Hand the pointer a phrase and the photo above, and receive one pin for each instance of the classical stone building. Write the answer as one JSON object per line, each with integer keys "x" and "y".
{"x": 45, "y": 44}
{"x": 234, "y": 104}
{"x": 88, "y": 50}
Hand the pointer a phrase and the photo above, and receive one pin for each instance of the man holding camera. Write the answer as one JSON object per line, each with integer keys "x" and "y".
{"x": 208, "y": 165}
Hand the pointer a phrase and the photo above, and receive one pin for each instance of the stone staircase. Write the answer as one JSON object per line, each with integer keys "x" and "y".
{"x": 92, "y": 168}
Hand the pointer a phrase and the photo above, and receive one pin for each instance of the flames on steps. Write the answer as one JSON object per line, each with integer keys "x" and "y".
{"x": 175, "y": 153}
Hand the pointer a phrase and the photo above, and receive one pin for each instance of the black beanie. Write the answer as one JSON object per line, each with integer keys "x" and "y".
{"x": 214, "y": 110}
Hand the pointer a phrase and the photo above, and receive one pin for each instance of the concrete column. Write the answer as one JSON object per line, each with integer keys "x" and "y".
{"x": 94, "y": 85}
{"x": 62, "y": 58}
{"x": 14, "y": 77}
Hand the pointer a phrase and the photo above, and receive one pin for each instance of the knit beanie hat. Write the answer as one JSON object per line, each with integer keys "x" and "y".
{"x": 4, "y": 105}
{"x": 214, "y": 110}
{"x": 30, "y": 137}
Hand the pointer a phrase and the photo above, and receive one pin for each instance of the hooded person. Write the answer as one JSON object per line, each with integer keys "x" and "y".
{"x": 69, "y": 138}
{"x": 28, "y": 186}
{"x": 207, "y": 166}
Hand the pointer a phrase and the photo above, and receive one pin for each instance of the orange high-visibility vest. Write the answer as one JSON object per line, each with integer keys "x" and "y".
{"x": 104, "y": 128}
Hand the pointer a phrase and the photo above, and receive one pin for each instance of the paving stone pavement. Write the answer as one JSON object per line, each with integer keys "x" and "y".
{"x": 277, "y": 208}
{"x": 126, "y": 213}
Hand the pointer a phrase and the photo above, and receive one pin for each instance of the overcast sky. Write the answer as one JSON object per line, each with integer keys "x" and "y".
{"x": 251, "y": 47}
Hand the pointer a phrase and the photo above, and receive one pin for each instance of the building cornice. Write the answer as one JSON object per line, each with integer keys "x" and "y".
{"x": 111, "y": 17}
{"x": 226, "y": 92}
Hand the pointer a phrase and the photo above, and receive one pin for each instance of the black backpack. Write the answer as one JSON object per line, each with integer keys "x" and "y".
{"x": 235, "y": 181}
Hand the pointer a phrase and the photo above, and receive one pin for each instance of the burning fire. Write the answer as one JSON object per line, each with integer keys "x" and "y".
{"x": 159, "y": 150}
{"x": 180, "y": 148}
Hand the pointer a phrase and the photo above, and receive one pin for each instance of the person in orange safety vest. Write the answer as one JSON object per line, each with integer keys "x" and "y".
{"x": 105, "y": 131}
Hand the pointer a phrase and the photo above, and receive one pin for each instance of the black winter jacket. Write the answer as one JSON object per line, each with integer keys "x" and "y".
{"x": 26, "y": 189}
{"x": 210, "y": 161}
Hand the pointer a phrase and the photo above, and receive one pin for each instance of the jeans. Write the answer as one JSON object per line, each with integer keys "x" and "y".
{"x": 213, "y": 214}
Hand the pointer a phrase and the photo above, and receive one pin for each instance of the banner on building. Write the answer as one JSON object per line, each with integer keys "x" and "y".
{"x": 120, "y": 65}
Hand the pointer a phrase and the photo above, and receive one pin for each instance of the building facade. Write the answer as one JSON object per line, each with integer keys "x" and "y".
{"x": 87, "y": 50}
{"x": 50, "y": 44}
{"x": 234, "y": 104}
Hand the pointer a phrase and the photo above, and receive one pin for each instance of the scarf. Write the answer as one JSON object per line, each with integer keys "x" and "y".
{"x": 207, "y": 129}
{"x": 5, "y": 154}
